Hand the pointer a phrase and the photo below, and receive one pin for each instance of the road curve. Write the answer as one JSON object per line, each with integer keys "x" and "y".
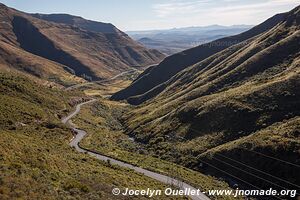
{"x": 159, "y": 177}
{"x": 102, "y": 81}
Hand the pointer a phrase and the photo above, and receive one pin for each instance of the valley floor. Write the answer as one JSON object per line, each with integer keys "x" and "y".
{"x": 106, "y": 135}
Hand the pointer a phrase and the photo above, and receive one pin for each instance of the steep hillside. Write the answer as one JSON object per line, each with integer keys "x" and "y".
{"x": 244, "y": 97}
{"x": 68, "y": 48}
{"x": 14, "y": 58}
{"x": 36, "y": 161}
{"x": 151, "y": 82}
{"x": 129, "y": 51}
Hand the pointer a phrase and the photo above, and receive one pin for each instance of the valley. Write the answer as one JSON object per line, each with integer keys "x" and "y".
{"x": 35, "y": 151}
{"x": 93, "y": 52}
{"x": 35, "y": 154}
{"x": 228, "y": 110}
{"x": 105, "y": 137}
{"x": 86, "y": 111}
{"x": 80, "y": 134}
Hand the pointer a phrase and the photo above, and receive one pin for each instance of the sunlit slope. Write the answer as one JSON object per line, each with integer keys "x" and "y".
{"x": 152, "y": 81}
{"x": 48, "y": 49}
{"x": 36, "y": 160}
{"x": 241, "y": 91}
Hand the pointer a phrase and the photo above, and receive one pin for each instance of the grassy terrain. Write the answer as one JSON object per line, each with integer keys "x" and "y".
{"x": 51, "y": 73}
{"x": 108, "y": 87}
{"x": 244, "y": 91}
{"x": 276, "y": 146}
{"x": 36, "y": 161}
{"x": 106, "y": 136}
{"x": 103, "y": 90}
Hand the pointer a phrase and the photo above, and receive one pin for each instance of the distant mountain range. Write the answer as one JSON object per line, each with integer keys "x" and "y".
{"x": 174, "y": 40}
{"x": 227, "y": 105}
{"x": 151, "y": 82}
{"x": 54, "y": 47}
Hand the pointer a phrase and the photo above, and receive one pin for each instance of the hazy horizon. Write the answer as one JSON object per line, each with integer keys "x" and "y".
{"x": 135, "y": 15}
{"x": 186, "y": 27}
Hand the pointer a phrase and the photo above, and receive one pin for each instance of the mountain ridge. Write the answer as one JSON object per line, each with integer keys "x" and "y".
{"x": 241, "y": 100}
{"x": 80, "y": 22}
{"x": 151, "y": 81}
{"x": 171, "y": 41}
{"x": 89, "y": 54}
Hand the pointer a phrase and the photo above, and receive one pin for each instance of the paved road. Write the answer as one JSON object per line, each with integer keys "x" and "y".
{"x": 102, "y": 81}
{"x": 162, "y": 178}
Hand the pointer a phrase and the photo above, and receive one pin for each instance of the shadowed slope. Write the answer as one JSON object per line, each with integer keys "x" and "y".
{"x": 246, "y": 96}
{"x": 92, "y": 50}
{"x": 31, "y": 40}
{"x": 129, "y": 51}
{"x": 153, "y": 80}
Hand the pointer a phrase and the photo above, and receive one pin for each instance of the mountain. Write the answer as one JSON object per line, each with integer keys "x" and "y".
{"x": 189, "y": 29}
{"x": 152, "y": 81}
{"x": 165, "y": 46}
{"x": 174, "y": 40}
{"x": 235, "y": 113}
{"x": 48, "y": 46}
{"x": 80, "y": 22}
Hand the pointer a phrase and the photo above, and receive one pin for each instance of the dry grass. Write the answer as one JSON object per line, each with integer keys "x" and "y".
{"x": 228, "y": 96}
{"x": 93, "y": 54}
{"x": 36, "y": 161}
{"x": 105, "y": 135}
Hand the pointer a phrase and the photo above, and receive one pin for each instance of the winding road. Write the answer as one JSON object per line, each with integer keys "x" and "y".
{"x": 102, "y": 81}
{"x": 159, "y": 177}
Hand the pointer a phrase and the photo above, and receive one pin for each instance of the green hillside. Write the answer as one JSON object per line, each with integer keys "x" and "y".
{"x": 36, "y": 161}
{"x": 238, "y": 94}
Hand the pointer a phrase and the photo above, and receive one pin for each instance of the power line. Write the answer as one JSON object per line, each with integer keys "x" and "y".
{"x": 230, "y": 174}
{"x": 252, "y": 168}
{"x": 250, "y": 174}
{"x": 260, "y": 153}
{"x": 234, "y": 176}
{"x": 275, "y": 177}
{"x": 271, "y": 157}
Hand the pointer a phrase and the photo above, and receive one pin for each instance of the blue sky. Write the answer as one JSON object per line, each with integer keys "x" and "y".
{"x": 161, "y": 14}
